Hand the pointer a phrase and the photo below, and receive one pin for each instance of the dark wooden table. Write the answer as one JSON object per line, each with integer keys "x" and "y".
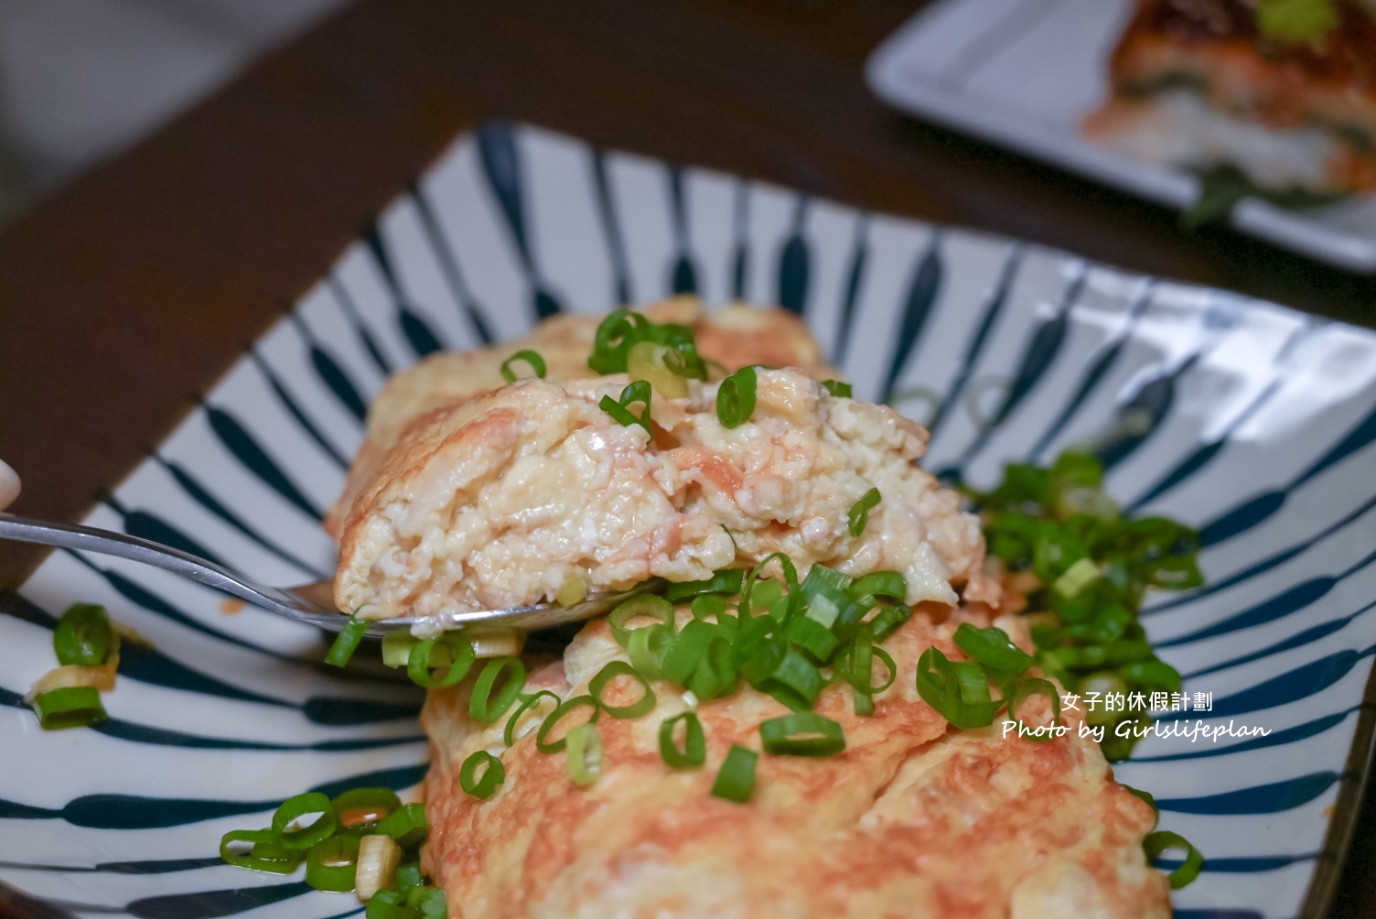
{"x": 130, "y": 290}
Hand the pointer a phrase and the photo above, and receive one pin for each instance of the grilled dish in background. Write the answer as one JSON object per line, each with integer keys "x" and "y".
{"x": 1275, "y": 98}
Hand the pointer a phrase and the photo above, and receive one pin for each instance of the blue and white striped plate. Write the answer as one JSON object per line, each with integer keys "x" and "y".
{"x": 1250, "y": 421}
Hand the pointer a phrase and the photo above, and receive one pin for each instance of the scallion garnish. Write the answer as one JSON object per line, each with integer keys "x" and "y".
{"x": 648, "y": 606}
{"x": 888, "y": 584}
{"x": 859, "y": 514}
{"x": 332, "y": 863}
{"x": 646, "y": 647}
{"x": 623, "y": 329}
{"x": 267, "y": 853}
{"x": 736, "y": 398}
{"x": 290, "y": 811}
{"x": 693, "y": 751}
{"x": 610, "y": 672}
{"x": 639, "y": 391}
{"x": 438, "y": 662}
{"x": 481, "y": 775}
{"x": 483, "y": 706}
{"x": 359, "y": 810}
{"x": 736, "y": 779}
{"x": 377, "y": 865}
{"x": 726, "y": 581}
{"x": 69, "y": 707}
{"x": 83, "y": 636}
{"x": 1090, "y": 568}
{"x": 959, "y": 691}
{"x": 346, "y": 642}
{"x": 407, "y": 825}
{"x": 685, "y": 651}
{"x": 837, "y": 388}
{"x": 993, "y": 648}
{"x": 528, "y": 704}
{"x": 542, "y": 741}
{"x": 655, "y": 364}
{"x": 802, "y": 734}
{"x": 536, "y": 362}
{"x": 396, "y": 648}
{"x": 794, "y": 681}
{"x": 584, "y": 753}
{"x": 1162, "y": 840}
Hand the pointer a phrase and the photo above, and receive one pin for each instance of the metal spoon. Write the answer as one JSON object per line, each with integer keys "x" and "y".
{"x": 309, "y": 603}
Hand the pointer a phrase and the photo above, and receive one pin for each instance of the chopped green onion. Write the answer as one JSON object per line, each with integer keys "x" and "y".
{"x": 492, "y": 776}
{"x": 993, "y": 648}
{"x": 482, "y": 705}
{"x": 613, "y": 339}
{"x": 427, "y": 665}
{"x": 790, "y": 580}
{"x": 1296, "y": 21}
{"x": 267, "y": 855}
{"x": 687, "y": 648}
{"x": 837, "y": 388}
{"x": 859, "y": 514}
{"x": 857, "y": 668}
{"x": 726, "y": 581}
{"x": 303, "y": 805}
{"x": 428, "y": 900}
{"x": 408, "y": 875}
{"x": 83, "y": 636}
{"x": 889, "y": 620}
{"x": 693, "y": 752}
{"x": 802, "y": 734}
{"x": 1153, "y": 674}
{"x": 1076, "y": 578}
{"x": 651, "y": 362}
{"x": 716, "y": 674}
{"x": 617, "y": 668}
{"x": 794, "y": 681}
{"x": 584, "y": 754}
{"x": 377, "y": 864}
{"x": 639, "y": 391}
{"x": 709, "y": 606}
{"x": 824, "y": 582}
{"x": 958, "y": 691}
{"x": 396, "y": 648}
{"x": 387, "y": 904}
{"x": 542, "y": 741}
{"x": 813, "y": 637}
{"x": 1160, "y": 841}
{"x": 888, "y": 584}
{"x": 646, "y": 648}
{"x": 536, "y": 362}
{"x": 332, "y": 863}
{"x": 407, "y": 825}
{"x": 529, "y": 703}
{"x": 359, "y": 810}
{"x": 1035, "y": 686}
{"x": 736, "y": 779}
{"x": 736, "y": 398}
{"x": 648, "y": 605}
{"x": 346, "y": 642}
{"x": 69, "y": 707}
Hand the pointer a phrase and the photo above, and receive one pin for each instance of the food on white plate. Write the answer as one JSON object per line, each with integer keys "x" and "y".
{"x": 826, "y": 713}
{"x": 1282, "y": 91}
{"x": 502, "y": 500}
{"x": 911, "y": 818}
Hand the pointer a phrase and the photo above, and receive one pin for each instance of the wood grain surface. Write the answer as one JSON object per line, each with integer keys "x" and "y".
{"x": 128, "y": 292}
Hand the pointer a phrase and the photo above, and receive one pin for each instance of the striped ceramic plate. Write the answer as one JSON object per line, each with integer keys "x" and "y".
{"x": 1250, "y": 421}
